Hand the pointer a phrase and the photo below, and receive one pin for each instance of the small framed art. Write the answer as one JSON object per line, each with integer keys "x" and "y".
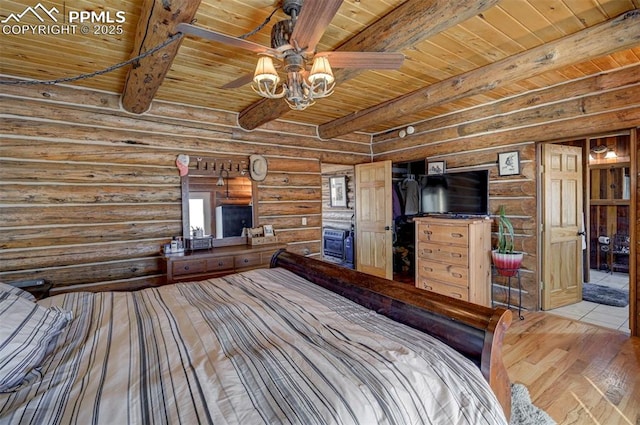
{"x": 338, "y": 191}
{"x": 435, "y": 168}
{"x": 268, "y": 230}
{"x": 509, "y": 163}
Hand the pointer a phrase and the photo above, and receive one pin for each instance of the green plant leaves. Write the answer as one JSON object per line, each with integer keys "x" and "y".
{"x": 505, "y": 233}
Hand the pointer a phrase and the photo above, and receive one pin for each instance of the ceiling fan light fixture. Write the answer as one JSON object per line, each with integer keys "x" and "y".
{"x": 321, "y": 80}
{"x": 266, "y": 79}
{"x": 293, "y": 44}
{"x": 321, "y": 70}
{"x": 298, "y": 95}
{"x": 265, "y": 72}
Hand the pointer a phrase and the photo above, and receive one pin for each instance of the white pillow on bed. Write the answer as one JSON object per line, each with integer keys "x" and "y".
{"x": 9, "y": 289}
{"x": 26, "y": 329}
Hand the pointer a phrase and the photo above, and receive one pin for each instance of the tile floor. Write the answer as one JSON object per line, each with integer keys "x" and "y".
{"x": 599, "y": 314}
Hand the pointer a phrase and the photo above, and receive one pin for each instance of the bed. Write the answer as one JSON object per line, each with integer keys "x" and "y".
{"x": 303, "y": 342}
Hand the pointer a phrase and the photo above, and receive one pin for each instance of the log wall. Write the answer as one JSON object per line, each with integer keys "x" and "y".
{"x": 90, "y": 193}
{"x": 584, "y": 108}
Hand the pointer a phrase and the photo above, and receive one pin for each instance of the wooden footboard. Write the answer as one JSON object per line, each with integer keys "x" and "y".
{"x": 473, "y": 330}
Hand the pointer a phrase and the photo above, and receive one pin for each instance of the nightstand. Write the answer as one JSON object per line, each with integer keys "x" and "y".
{"x": 39, "y": 288}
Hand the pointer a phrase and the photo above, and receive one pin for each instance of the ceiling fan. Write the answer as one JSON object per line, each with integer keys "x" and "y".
{"x": 293, "y": 45}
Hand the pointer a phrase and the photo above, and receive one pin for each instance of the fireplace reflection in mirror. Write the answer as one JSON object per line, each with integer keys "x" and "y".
{"x": 337, "y": 246}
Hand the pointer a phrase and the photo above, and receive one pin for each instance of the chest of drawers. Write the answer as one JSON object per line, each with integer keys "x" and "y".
{"x": 217, "y": 262}
{"x": 453, "y": 257}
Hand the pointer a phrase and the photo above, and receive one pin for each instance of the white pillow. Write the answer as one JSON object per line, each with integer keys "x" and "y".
{"x": 6, "y": 288}
{"x": 26, "y": 329}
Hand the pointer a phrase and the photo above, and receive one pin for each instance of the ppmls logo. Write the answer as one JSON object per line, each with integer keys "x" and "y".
{"x": 33, "y": 11}
{"x": 73, "y": 21}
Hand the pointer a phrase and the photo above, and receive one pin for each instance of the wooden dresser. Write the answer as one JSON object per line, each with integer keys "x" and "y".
{"x": 453, "y": 257}
{"x": 218, "y": 261}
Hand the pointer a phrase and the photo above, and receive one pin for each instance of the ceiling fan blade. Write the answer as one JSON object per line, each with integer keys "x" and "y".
{"x": 239, "y": 82}
{"x": 314, "y": 19}
{"x": 208, "y": 34}
{"x": 366, "y": 60}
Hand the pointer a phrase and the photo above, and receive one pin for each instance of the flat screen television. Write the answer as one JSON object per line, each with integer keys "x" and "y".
{"x": 462, "y": 193}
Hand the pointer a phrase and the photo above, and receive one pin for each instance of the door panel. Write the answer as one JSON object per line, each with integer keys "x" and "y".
{"x": 374, "y": 251}
{"x": 562, "y": 219}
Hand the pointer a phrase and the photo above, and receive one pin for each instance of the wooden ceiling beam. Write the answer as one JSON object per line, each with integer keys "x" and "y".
{"x": 400, "y": 29}
{"x": 608, "y": 37}
{"x": 158, "y": 19}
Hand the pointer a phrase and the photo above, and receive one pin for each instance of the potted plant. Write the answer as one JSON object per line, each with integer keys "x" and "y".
{"x": 505, "y": 259}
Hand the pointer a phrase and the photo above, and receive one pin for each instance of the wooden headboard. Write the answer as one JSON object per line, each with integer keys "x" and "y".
{"x": 473, "y": 330}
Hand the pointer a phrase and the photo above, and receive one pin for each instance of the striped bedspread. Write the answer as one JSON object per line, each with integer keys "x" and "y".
{"x": 260, "y": 347}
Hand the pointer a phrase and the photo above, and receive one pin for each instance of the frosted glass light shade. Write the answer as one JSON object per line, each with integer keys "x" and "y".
{"x": 265, "y": 72}
{"x": 321, "y": 69}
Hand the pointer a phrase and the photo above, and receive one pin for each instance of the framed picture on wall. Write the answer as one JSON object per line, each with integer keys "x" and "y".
{"x": 509, "y": 163}
{"x": 435, "y": 168}
{"x": 338, "y": 191}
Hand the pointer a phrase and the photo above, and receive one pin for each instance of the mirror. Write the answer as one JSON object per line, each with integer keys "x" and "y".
{"x": 610, "y": 182}
{"x": 217, "y": 199}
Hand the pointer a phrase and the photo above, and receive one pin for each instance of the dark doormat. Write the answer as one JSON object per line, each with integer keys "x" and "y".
{"x": 605, "y": 295}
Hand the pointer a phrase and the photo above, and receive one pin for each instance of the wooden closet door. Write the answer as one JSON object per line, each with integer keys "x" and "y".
{"x": 374, "y": 219}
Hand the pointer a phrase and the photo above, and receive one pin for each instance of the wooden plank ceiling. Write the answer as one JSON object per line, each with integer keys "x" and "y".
{"x": 436, "y": 52}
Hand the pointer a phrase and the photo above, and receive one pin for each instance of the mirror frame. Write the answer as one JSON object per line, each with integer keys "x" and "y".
{"x": 207, "y": 166}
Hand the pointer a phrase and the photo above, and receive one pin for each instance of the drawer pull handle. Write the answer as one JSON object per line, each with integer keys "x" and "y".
{"x": 457, "y": 295}
{"x": 427, "y": 269}
{"x": 220, "y": 263}
{"x": 428, "y": 287}
{"x": 456, "y": 254}
{"x": 186, "y": 267}
{"x": 456, "y": 235}
{"x": 246, "y": 260}
{"x": 458, "y": 275}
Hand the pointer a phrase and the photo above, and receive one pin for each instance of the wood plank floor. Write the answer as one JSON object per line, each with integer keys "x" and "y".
{"x": 577, "y": 372}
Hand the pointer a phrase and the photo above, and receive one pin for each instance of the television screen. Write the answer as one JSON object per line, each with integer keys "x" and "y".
{"x": 232, "y": 219}
{"x": 462, "y": 193}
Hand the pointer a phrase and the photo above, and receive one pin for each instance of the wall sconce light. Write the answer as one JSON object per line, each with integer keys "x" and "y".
{"x": 597, "y": 152}
{"x": 221, "y": 180}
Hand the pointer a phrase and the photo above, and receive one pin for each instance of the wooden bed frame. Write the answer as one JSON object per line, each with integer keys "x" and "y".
{"x": 473, "y": 330}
